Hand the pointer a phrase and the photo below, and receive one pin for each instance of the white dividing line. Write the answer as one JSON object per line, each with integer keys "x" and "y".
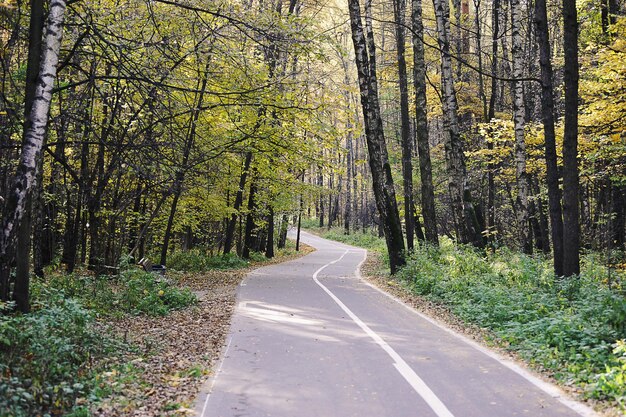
{"x": 550, "y": 389}
{"x": 219, "y": 370}
{"x": 401, "y": 366}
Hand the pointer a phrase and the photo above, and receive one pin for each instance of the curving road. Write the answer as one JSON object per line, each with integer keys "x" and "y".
{"x": 310, "y": 338}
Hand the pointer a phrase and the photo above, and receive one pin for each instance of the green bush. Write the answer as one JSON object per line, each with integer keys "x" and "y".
{"x": 144, "y": 292}
{"x": 134, "y": 291}
{"x": 196, "y": 260}
{"x": 309, "y": 223}
{"x": 610, "y": 384}
{"x": 567, "y": 326}
{"x": 45, "y": 356}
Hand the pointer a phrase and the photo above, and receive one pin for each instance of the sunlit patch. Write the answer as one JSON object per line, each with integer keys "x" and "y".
{"x": 275, "y": 314}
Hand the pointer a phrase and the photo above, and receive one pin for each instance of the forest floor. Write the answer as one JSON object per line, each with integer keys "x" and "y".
{"x": 174, "y": 354}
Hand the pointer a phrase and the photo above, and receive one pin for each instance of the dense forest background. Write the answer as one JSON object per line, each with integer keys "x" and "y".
{"x": 181, "y": 125}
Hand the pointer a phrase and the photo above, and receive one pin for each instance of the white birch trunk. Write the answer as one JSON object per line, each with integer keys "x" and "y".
{"x": 460, "y": 197}
{"x": 517, "y": 53}
{"x": 25, "y": 177}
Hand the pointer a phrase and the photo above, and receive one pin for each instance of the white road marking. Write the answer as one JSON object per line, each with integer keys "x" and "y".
{"x": 401, "y": 366}
{"x": 219, "y": 369}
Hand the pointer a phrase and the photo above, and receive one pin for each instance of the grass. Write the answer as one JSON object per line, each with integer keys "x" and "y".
{"x": 367, "y": 239}
{"x": 572, "y": 329}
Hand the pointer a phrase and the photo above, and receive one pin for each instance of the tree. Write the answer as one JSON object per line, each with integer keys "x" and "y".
{"x": 547, "y": 115}
{"x": 380, "y": 168}
{"x": 571, "y": 221}
{"x": 518, "y": 117}
{"x": 399, "y": 11}
{"x": 465, "y": 219}
{"x": 421, "y": 125}
{"x": 25, "y": 177}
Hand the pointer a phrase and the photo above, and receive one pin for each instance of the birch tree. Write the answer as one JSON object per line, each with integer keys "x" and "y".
{"x": 24, "y": 179}
{"x": 463, "y": 211}
{"x": 421, "y": 125}
{"x": 517, "y": 53}
{"x": 382, "y": 181}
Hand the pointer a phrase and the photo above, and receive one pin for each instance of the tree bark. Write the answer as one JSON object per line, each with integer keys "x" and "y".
{"x": 25, "y": 177}
{"x": 284, "y": 225}
{"x": 571, "y": 223}
{"x": 249, "y": 238}
{"x": 547, "y": 115}
{"x": 519, "y": 112}
{"x": 421, "y": 125}
{"x": 232, "y": 222}
{"x": 347, "y": 218}
{"x": 269, "y": 249}
{"x": 22, "y": 270}
{"x": 382, "y": 180}
{"x": 399, "y": 9}
{"x": 465, "y": 219}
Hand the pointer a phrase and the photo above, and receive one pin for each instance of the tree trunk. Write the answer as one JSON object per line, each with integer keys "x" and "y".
{"x": 479, "y": 55}
{"x": 189, "y": 142}
{"x": 399, "y": 9}
{"x": 465, "y": 219}
{"x": 232, "y": 222}
{"x": 269, "y": 249}
{"x": 421, "y": 125}
{"x": 250, "y": 236}
{"x": 284, "y": 225}
{"x": 23, "y": 182}
{"x": 547, "y": 114}
{"x": 22, "y": 270}
{"x": 299, "y": 224}
{"x": 347, "y": 218}
{"x": 382, "y": 180}
{"x": 571, "y": 223}
{"x": 320, "y": 183}
{"x": 517, "y": 54}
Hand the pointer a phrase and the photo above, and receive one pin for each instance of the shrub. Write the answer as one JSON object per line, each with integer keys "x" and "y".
{"x": 196, "y": 260}
{"x": 45, "y": 356}
{"x": 144, "y": 292}
{"x": 134, "y": 291}
{"x": 566, "y": 326}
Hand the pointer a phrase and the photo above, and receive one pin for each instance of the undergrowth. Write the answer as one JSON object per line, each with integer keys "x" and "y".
{"x": 571, "y": 328}
{"x": 133, "y": 291}
{"x": 197, "y": 260}
{"x": 60, "y": 359}
{"x": 46, "y": 357}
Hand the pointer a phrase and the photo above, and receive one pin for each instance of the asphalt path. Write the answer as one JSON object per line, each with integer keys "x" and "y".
{"x": 310, "y": 338}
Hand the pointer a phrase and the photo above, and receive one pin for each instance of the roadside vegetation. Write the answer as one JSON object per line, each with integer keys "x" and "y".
{"x": 130, "y": 343}
{"x": 573, "y": 330}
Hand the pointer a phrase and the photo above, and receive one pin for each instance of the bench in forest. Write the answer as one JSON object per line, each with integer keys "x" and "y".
{"x": 147, "y": 266}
